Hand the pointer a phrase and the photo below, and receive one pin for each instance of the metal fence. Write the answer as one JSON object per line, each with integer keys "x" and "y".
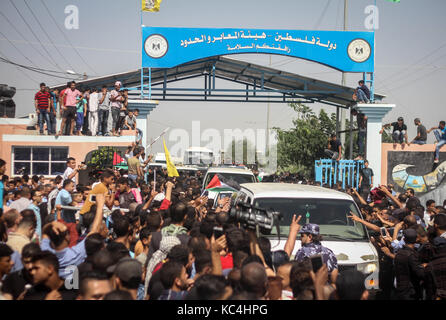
{"x": 330, "y": 172}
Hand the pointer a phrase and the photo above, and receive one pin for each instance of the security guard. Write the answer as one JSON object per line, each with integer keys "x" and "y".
{"x": 311, "y": 245}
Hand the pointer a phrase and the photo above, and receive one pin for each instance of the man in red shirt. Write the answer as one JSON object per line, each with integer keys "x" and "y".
{"x": 42, "y": 102}
{"x": 69, "y": 105}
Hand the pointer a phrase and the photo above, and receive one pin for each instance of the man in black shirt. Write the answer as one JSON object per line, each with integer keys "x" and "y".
{"x": 47, "y": 283}
{"x": 334, "y": 150}
{"x": 409, "y": 271}
{"x": 361, "y": 120}
{"x": 365, "y": 180}
{"x": 15, "y": 282}
{"x": 421, "y": 133}
{"x": 399, "y": 134}
{"x": 362, "y": 92}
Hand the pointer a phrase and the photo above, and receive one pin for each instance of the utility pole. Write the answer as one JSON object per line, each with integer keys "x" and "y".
{"x": 342, "y": 135}
{"x": 267, "y": 119}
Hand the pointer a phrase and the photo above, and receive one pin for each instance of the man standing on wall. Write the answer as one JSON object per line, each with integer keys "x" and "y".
{"x": 42, "y": 102}
{"x": 69, "y": 114}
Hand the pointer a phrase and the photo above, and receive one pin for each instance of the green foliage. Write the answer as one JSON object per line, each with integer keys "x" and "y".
{"x": 102, "y": 158}
{"x": 300, "y": 146}
{"x": 386, "y": 137}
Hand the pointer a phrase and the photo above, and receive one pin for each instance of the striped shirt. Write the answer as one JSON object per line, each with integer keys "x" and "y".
{"x": 42, "y": 99}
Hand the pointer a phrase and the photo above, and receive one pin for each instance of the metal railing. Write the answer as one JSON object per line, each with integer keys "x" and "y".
{"x": 330, "y": 172}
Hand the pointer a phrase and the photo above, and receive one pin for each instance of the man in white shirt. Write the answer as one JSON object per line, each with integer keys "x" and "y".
{"x": 94, "y": 106}
{"x": 71, "y": 171}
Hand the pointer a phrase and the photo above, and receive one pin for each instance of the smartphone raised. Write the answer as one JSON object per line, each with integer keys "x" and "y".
{"x": 218, "y": 232}
{"x": 93, "y": 198}
{"x": 383, "y": 231}
{"x": 316, "y": 262}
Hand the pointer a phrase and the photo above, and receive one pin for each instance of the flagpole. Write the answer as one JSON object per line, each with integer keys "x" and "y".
{"x": 142, "y": 48}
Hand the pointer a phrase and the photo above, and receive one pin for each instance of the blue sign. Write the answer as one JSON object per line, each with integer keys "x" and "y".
{"x": 348, "y": 51}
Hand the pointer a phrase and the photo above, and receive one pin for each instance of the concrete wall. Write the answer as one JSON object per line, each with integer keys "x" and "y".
{"x": 413, "y": 167}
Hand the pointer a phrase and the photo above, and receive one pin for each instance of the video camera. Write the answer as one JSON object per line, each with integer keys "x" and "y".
{"x": 251, "y": 216}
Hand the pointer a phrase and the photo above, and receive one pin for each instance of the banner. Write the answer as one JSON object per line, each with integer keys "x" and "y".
{"x": 348, "y": 51}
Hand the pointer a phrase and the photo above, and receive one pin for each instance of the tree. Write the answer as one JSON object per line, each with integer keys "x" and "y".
{"x": 102, "y": 158}
{"x": 299, "y": 147}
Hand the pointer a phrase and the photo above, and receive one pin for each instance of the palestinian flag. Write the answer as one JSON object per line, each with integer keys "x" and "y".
{"x": 118, "y": 160}
{"x": 216, "y": 185}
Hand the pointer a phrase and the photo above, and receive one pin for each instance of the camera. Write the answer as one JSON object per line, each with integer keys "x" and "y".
{"x": 251, "y": 216}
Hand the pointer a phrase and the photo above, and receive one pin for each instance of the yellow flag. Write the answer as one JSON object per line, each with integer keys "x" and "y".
{"x": 171, "y": 170}
{"x": 151, "y": 5}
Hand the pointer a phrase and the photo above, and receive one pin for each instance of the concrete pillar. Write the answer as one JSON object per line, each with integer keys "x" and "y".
{"x": 375, "y": 114}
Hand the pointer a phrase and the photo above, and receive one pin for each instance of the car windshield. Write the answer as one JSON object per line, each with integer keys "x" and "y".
{"x": 239, "y": 178}
{"x": 330, "y": 215}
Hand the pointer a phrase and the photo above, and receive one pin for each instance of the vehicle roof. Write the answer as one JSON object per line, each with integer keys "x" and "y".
{"x": 186, "y": 168}
{"x": 230, "y": 170}
{"x": 290, "y": 190}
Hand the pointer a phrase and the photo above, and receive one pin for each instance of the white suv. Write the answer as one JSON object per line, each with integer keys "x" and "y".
{"x": 238, "y": 175}
{"x": 329, "y": 209}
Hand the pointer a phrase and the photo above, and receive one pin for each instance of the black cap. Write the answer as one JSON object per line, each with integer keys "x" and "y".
{"x": 400, "y": 119}
{"x": 410, "y": 236}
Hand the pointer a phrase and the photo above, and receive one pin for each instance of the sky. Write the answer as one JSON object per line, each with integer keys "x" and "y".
{"x": 409, "y": 65}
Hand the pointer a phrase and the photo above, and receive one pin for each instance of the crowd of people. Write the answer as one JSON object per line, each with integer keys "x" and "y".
{"x": 85, "y": 111}
{"x": 124, "y": 236}
{"x": 399, "y": 136}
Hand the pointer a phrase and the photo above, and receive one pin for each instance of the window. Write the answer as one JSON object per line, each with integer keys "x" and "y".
{"x": 47, "y": 161}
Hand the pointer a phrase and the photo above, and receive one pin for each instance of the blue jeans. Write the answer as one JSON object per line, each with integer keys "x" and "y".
{"x": 79, "y": 121}
{"x": 53, "y": 122}
{"x": 139, "y": 134}
{"x": 103, "y": 121}
{"x": 133, "y": 177}
{"x": 441, "y": 142}
{"x": 419, "y": 142}
{"x": 361, "y": 95}
{"x": 398, "y": 136}
{"x": 44, "y": 116}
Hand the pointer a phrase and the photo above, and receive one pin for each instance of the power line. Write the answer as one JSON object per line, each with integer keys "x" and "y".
{"x": 47, "y": 35}
{"x": 24, "y": 38}
{"x": 31, "y": 68}
{"x": 398, "y": 74}
{"x": 12, "y": 44}
{"x": 66, "y": 38}
{"x": 24, "y": 73}
{"x": 32, "y": 31}
{"x": 324, "y": 11}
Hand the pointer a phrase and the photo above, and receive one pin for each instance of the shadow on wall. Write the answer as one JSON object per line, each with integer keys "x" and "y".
{"x": 416, "y": 170}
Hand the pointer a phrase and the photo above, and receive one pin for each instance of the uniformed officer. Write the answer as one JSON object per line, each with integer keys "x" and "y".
{"x": 311, "y": 245}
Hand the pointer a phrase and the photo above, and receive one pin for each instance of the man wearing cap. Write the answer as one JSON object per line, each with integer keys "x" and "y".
{"x": 399, "y": 134}
{"x": 127, "y": 275}
{"x": 116, "y": 100}
{"x": 421, "y": 133}
{"x": 311, "y": 245}
{"x": 409, "y": 271}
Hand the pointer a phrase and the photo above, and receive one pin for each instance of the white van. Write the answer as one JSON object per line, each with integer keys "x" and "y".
{"x": 328, "y": 208}
{"x": 238, "y": 175}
